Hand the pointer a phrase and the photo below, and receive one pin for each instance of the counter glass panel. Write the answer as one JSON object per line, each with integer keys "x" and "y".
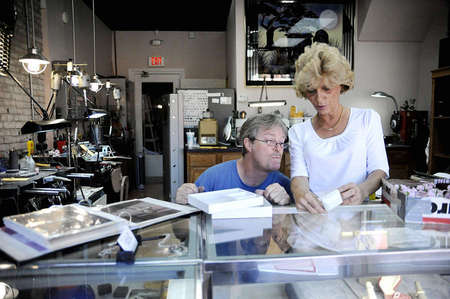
{"x": 166, "y": 264}
{"x": 350, "y": 241}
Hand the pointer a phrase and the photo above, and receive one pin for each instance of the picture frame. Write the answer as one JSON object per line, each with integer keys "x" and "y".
{"x": 277, "y": 32}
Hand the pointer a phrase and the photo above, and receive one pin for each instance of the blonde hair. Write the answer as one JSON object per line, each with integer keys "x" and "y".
{"x": 321, "y": 61}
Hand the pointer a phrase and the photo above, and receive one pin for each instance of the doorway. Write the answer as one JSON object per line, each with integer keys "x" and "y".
{"x": 151, "y": 108}
{"x": 155, "y": 114}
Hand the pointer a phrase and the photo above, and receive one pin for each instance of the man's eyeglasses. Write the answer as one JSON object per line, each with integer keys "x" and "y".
{"x": 273, "y": 143}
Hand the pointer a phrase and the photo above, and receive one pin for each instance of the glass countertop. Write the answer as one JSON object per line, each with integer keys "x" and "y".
{"x": 325, "y": 243}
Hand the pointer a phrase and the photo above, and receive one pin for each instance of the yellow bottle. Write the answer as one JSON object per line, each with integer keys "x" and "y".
{"x": 293, "y": 111}
{"x": 30, "y": 147}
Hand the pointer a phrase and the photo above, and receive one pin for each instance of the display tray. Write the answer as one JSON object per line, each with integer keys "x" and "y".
{"x": 146, "y": 211}
{"x": 26, "y": 236}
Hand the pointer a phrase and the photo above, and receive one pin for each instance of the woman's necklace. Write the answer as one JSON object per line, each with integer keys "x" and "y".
{"x": 337, "y": 122}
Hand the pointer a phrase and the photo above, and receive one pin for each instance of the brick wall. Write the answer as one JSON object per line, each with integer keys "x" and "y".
{"x": 15, "y": 105}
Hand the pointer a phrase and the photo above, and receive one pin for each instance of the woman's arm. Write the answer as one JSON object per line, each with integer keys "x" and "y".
{"x": 304, "y": 198}
{"x": 353, "y": 194}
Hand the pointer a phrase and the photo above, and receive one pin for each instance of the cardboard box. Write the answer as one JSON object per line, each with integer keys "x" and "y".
{"x": 390, "y": 193}
{"x": 424, "y": 209}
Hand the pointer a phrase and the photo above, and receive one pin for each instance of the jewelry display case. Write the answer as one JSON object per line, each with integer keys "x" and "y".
{"x": 289, "y": 255}
{"x": 301, "y": 255}
{"x": 167, "y": 263}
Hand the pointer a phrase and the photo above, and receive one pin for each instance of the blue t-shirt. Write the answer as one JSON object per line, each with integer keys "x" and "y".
{"x": 225, "y": 176}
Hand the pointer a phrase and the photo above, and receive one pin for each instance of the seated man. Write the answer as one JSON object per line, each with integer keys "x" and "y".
{"x": 263, "y": 138}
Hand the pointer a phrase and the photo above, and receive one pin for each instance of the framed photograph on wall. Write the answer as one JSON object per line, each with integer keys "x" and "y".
{"x": 277, "y": 32}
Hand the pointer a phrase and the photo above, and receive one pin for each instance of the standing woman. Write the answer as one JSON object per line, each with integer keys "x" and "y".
{"x": 340, "y": 147}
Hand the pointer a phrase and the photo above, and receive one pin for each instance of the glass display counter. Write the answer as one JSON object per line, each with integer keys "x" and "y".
{"x": 291, "y": 255}
{"x": 166, "y": 265}
{"x": 301, "y": 255}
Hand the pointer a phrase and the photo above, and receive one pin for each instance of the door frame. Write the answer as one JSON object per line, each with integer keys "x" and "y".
{"x": 149, "y": 75}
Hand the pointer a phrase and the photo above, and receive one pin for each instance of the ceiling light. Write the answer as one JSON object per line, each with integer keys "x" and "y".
{"x": 33, "y": 62}
{"x": 95, "y": 85}
{"x": 156, "y": 41}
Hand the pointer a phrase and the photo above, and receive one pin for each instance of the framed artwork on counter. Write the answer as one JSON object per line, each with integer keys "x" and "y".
{"x": 277, "y": 32}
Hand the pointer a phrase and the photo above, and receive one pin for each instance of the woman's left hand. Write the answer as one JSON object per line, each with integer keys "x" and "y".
{"x": 351, "y": 194}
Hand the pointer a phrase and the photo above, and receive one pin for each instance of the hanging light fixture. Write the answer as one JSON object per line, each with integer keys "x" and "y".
{"x": 95, "y": 84}
{"x": 267, "y": 103}
{"x": 33, "y": 62}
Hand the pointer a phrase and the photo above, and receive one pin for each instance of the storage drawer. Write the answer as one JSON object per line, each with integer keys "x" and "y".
{"x": 201, "y": 159}
{"x": 230, "y": 156}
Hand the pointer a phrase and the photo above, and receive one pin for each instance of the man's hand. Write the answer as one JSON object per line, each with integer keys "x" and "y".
{"x": 275, "y": 193}
{"x": 185, "y": 190}
{"x": 308, "y": 201}
{"x": 351, "y": 194}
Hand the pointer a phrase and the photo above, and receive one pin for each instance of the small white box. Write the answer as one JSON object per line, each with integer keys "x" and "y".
{"x": 225, "y": 200}
{"x": 331, "y": 199}
{"x": 264, "y": 211}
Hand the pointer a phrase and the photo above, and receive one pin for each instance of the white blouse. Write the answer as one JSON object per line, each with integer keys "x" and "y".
{"x": 346, "y": 158}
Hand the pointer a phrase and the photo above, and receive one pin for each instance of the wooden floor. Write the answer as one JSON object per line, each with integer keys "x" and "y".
{"x": 153, "y": 190}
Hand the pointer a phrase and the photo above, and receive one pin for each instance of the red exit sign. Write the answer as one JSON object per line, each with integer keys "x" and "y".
{"x": 155, "y": 61}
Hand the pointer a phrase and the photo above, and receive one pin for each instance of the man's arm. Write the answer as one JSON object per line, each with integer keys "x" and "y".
{"x": 186, "y": 189}
{"x": 304, "y": 198}
{"x": 353, "y": 194}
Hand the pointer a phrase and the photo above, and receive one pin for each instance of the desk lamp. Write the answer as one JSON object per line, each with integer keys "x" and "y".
{"x": 395, "y": 118}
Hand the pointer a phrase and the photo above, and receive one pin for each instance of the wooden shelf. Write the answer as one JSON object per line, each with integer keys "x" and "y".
{"x": 440, "y": 105}
{"x": 445, "y": 156}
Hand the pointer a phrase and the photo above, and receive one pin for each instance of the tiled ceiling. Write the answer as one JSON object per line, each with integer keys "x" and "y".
{"x": 149, "y": 15}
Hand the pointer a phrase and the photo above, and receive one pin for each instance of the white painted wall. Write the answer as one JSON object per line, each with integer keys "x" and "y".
{"x": 201, "y": 58}
{"x": 60, "y": 37}
{"x": 399, "y": 68}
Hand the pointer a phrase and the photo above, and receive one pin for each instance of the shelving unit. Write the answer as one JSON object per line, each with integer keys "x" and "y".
{"x": 439, "y": 158}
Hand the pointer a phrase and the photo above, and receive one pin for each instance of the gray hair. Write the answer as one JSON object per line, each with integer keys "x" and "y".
{"x": 251, "y": 127}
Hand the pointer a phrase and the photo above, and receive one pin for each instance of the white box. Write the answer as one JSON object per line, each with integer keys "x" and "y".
{"x": 263, "y": 211}
{"x": 225, "y": 200}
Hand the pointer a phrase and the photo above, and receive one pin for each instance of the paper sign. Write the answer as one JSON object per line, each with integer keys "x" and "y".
{"x": 214, "y": 94}
{"x": 440, "y": 210}
{"x": 215, "y": 100}
{"x": 225, "y": 100}
{"x": 127, "y": 241}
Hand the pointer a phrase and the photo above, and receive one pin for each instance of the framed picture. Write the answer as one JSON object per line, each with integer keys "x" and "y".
{"x": 277, "y": 32}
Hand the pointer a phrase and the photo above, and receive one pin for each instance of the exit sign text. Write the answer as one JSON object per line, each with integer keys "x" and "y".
{"x": 155, "y": 61}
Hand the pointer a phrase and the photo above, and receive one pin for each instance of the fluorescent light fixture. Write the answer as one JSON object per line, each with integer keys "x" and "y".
{"x": 33, "y": 62}
{"x": 267, "y": 103}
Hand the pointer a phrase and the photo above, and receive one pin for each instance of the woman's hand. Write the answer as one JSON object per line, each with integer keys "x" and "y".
{"x": 309, "y": 202}
{"x": 185, "y": 190}
{"x": 305, "y": 199}
{"x": 351, "y": 194}
{"x": 275, "y": 193}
